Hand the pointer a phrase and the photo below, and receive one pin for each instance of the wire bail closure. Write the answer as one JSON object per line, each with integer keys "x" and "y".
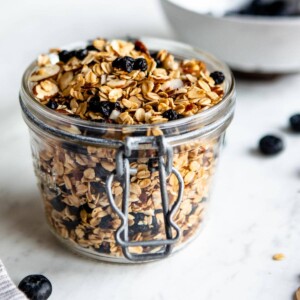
{"x": 124, "y": 171}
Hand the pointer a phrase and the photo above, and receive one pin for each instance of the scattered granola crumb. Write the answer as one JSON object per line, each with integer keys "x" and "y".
{"x": 278, "y": 256}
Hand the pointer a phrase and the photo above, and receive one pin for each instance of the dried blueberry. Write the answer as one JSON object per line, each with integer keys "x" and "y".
{"x": 157, "y": 60}
{"x": 140, "y": 64}
{"x": 268, "y": 8}
{"x": 65, "y": 55}
{"x": 105, "y": 222}
{"x": 170, "y": 114}
{"x": 218, "y": 77}
{"x": 295, "y": 122}
{"x": 81, "y": 54}
{"x": 105, "y": 108}
{"x": 70, "y": 225}
{"x": 101, "y": 172}
{"x": 104, "y": 248}
{"x": 74, "y": 210}
{"x": 87, "y": 208}
{"x": 36, "y": 287}
{"x": 58, "y": 204}
{"x": 125, "y": 63}
{"x": 97, "y": 187}
{"x": 52, "y": 104}
{"x": 270, "y": 145}
{"x": 91, "y": 48}
{"x": 137, "y": 227}
{"x": 94, "y": 104}
{"x": 152, "y": 164}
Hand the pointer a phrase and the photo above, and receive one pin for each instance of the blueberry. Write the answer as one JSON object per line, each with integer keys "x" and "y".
{"x": 97, "y": 187}
{"x": 157, "y": 60}
{"x": 81, "y": 54}
{"x": 52, "y": 104}
{"x": 94, "y": 104}
{"x": 57, "y": 204}
{"x": 65, "y": 55}
{"x": 218, "y": 77}
{"x": 136, "y": 227}
{"x": 295, "y": 122}
{"x": 270, "y": 145}
{"x": 106, "y": 108}
{"x": 36, "y": 287}
{"x": 267, "y": 8}
{"x": 101, "y": 172}
{"x": 104, "y": 248}
{"x": 105, "y": 222}
{"x": 125, "y": 63}
{"x": 170, "y": 114}
{"x": 74, "y": 210}
{"x": 91, "y": 48}
{"x": 70, "y": 225}
{"x": 140, "y": 64}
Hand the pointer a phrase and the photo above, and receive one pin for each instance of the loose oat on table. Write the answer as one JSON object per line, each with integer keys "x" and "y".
{"x": 278, "y": 256}
{"x": 121, "y": 82}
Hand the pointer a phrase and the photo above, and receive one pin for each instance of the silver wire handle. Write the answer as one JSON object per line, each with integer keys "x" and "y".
{"x": 123, "y": 171}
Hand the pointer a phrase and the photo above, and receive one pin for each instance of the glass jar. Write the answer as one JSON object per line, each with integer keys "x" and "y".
{"x": 127, "y": 193}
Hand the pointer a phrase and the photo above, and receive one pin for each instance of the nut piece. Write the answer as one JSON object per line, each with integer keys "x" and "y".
{"x": 45, "y": 90}
{"x": 298, "y": 294}
{"x": 45, "y": 72}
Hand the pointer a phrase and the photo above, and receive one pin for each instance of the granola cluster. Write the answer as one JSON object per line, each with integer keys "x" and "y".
{"x": 123, "y": 82}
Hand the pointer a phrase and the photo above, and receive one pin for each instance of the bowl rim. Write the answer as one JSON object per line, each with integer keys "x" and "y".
{"x": 249, "y": 19}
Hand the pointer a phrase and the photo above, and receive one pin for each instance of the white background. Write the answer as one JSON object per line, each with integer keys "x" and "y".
{"x": 256, "y": 203}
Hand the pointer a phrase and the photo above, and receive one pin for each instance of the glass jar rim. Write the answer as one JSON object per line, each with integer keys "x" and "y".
{"x": 29, "y": 100}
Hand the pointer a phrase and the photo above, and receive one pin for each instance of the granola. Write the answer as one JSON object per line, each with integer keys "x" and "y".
{"x": 72, "y": 182}
{"x": 122, "y": 82}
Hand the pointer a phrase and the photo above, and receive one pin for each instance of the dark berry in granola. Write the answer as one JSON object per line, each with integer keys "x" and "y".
{"x": 106, "y": 108}
{"x": 157, "y": 60}
{"x": 91, "y": 48}
{"x": 125, "y": 63}
{"x": 36, "y": 287}
{"x": 104, "y": 248}
{"x": 97, "y": 187}
{"x": 295, "y": 122}
{"x": 101, "y": 172}
{"x": 218, "y": 77}
{"x": 140, "y": 64}
{"x": 170, "y": 114}
{"x": 57, "y": 204}
{"x": 70, "y": 224}
{"x": 270, "y": 145}
{"x": 81, "y": 54}
{"x": 105, "y": 222}
{"x": 138, "y": 225}
{"x": 65, "y": 55}
{"x": 94, "y": 104}
{"x": 52, "y": 104}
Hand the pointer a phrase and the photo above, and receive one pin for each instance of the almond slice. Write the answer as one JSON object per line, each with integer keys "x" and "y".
{"x": 45, "y": 72}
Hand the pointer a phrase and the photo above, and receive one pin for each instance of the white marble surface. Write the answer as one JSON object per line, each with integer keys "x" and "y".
{"x": 256, "y": 204}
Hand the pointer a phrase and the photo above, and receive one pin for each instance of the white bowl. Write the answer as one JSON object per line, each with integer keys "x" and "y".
{"x": 247, "y": 43}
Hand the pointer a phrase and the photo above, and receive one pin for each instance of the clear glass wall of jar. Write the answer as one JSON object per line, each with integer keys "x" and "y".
{"x": 127, "y": 193}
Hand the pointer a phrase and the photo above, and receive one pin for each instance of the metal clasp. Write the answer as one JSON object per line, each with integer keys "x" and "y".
{"x": 123, "y": 172}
